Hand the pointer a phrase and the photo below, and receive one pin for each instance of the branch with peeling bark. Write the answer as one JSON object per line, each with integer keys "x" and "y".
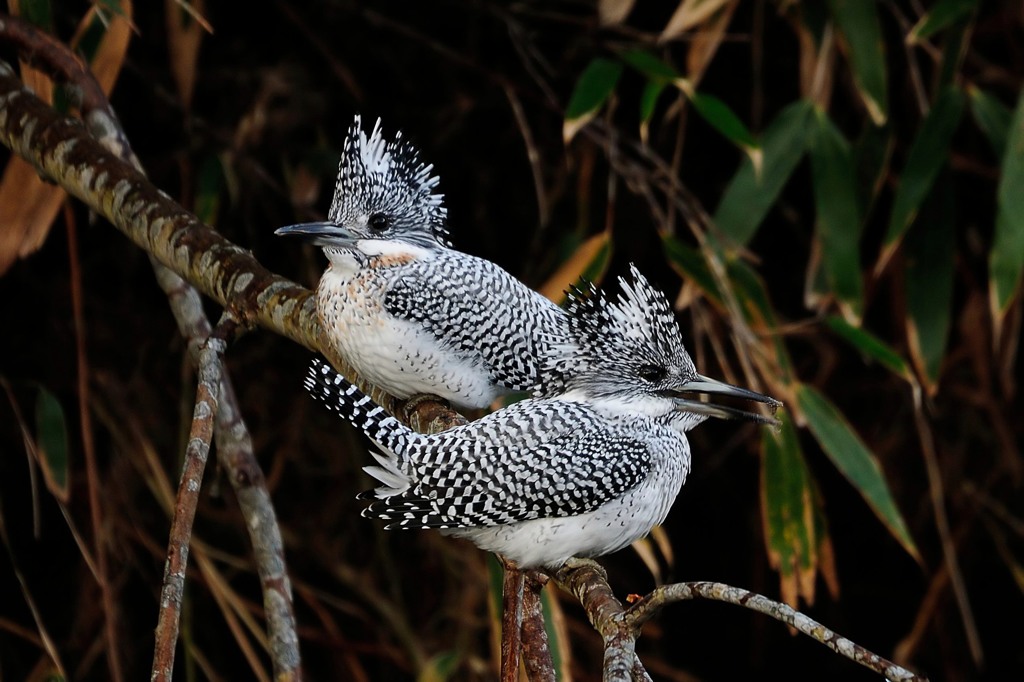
{"x": 190, "y": 254}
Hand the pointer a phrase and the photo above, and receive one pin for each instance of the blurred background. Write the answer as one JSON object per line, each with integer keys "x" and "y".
{"x": 831, "y": 192}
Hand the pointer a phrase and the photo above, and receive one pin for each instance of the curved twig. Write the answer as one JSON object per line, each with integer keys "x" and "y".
{"x": 620, "y": 626}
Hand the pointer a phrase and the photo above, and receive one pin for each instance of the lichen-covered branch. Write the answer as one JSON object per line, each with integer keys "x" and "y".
{"x": 620, "y": 626}
{"x": 63, "y": 151}
{"x": 103, "y": 173}
{"x": 642, "y": 611}
{"x": 65, "y": 67}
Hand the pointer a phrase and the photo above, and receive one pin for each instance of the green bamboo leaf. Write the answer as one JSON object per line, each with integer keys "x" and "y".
{"x": 872, "y": 154}
{"x": 689, "y": 263}
{"x": 92, "y": 36}
{"x": 788, "y": 509}
{"x": 114, "y": 7}
{"x": 858, "y": 21}
{"x": 751, "y": 194}
{"x": 209, "y": 183}
{"x": 927, "y": 156}
{"x": 759, "y": 312}
{"x": 39, "y": 13}
{"x": 838, "y": 215}
{"x": 52, "y": 441}
{"x": 651, "y": 66}
{"x": 595, "y": 86}
{"x": 748, "y": 288}
{"x": 440, "y": 667}
{"x": 718, "y": 114}
{"x": 993, "y": 118}
{"x": 816, "y": 286}
{"x": 930, "y": 248}
{"x": 713, "y": 110}
{"x": 853, "y": 459}
{"x": 870, "y": 346}
{"x": 941, "y": 15}
{"x": 495, "y": 582}
{"x": 752, "y": 294}
{"x": 1007, "y": 258}
{"x": 649, "y": 100}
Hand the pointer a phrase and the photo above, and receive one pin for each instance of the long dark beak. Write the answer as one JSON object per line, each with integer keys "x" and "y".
{"x": 321, "y": 234}
{"x": 703, "y": 384}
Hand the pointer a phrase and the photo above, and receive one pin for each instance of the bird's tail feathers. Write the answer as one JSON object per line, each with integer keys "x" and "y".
{"x": 345, "y": 398}
{"x": 389, "y": 473}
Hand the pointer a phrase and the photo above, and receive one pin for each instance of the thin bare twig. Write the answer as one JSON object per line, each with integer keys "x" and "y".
{"x": 91, "y": 467}
{"x": 532, "y": 155}
{"x": 196, "y": 453}
{"x": 235, "y": 454}
{"x": 938, "y": 499}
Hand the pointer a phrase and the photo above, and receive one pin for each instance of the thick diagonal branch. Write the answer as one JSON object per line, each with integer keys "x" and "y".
{"x": 63, "y": 151}
{"x": 57, "y": 60}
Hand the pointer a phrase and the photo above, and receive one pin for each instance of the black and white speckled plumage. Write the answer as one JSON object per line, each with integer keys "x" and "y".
{"x": 582, "y": 473}
{"x": 625, "y": 363}
{"x": 471, "y": 476}
{"x": 476, "y": 309}
{"x": 538, "y": 482}
{"x": 387, "y": 176}
{"x": 409, "y": 313}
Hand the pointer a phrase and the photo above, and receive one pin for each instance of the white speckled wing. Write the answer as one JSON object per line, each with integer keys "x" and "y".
{"x": 472, "y": 306}
{"x": 532, "y": 460}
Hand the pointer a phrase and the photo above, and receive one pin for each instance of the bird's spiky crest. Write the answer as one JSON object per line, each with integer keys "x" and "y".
{"x": 376, "y": 174}
{"x": 635, "y": 327}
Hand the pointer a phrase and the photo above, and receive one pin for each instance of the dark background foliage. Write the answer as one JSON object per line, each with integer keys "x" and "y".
{"x": 256, "y": 146}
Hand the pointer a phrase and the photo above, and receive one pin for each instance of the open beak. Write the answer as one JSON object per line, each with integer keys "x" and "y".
{"x": 321, "y": 234}
{"x": 703, "y": 384}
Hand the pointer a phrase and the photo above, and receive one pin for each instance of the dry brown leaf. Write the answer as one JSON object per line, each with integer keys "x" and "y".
{"x": 661, "y": 539}
{"x": 688, "y": 14}
{"x": 29, "y": 206}
{"x": 184, "y": 35}
{"x": 645, "y": 550}
{"x": 571, "y": 270}
{"x": 109, "y": 58}
{"x": 611, "y": 12}
{"x": 707, "y": 41}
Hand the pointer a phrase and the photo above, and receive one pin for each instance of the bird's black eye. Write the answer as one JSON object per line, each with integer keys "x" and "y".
{"x": 652, "y": 373}
{"x": 379, "y": 222}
